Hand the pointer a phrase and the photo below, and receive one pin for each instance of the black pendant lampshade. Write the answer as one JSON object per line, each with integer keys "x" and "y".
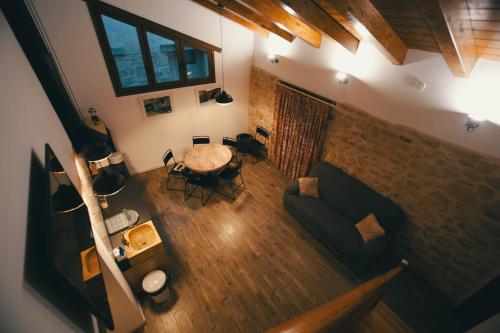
{"x": 96, "y": 151}
{"x": 66, "y": 199}
{"x": 108, "y": 183}
{"x": 224, "y": 98}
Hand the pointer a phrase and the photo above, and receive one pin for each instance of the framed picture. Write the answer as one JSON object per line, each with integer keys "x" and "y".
{"x": 156, "y": 105}
{"x": 206, "y": 97}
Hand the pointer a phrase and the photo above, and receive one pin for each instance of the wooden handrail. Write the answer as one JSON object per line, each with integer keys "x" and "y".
{"x": 344, "y": 310}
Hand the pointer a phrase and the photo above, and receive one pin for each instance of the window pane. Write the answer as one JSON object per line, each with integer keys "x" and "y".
{"x": 164, "y": 55}
{"x": 196, "y": 62}
{"x": 126, "y": 51}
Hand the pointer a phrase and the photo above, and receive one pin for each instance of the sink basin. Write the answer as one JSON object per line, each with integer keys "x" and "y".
{"x": 141, "y": 239}
{"x": 90, "y": 263}
{"x": 141, "y": 236}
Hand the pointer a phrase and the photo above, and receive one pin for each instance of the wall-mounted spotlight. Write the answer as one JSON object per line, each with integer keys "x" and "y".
{"x": 341, "y": 78}
{"x": 273, "y": 59}
{"x": 472, "y": 123}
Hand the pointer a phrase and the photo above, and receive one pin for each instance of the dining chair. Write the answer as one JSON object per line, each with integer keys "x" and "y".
{"x": 258, "y": 145}
{"x": 229, "y": 175}
{"x": 198, "y": 140}
{"x": 233, "y": 145}
{"x": 174, "y": 170}
{"x": 195, "y": 181}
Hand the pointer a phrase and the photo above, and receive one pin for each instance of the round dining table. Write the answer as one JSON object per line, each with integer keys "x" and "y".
{"x": 206, "y": 158}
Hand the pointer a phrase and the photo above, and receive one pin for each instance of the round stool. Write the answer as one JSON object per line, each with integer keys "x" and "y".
{"x": 155, "y": 285}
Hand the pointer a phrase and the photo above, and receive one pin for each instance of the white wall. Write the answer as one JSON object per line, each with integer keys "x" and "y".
{"x": 144, "y": 141}
{"x": 386, "y": 90}
{"x": 27, "y": 122}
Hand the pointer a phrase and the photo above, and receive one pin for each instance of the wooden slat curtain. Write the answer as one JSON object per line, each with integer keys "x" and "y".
{"x": 299, "y": 127}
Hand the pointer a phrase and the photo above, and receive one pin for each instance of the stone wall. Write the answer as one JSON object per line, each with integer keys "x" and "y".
{"x": 450, "y": 194}
{"x": 262, "y": 92}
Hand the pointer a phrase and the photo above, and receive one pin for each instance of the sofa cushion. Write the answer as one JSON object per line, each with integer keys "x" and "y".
{"x": 334, "y": 230}
{"x": 308, "y": 187}
{"x": 354, "y": 199}
{"x": 369, "y": 228}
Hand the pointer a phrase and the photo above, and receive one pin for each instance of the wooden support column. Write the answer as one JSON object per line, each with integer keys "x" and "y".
{"x": 366, "y": 19}
{"x": 313, "y": 15}
{"x": 451, "y": 26}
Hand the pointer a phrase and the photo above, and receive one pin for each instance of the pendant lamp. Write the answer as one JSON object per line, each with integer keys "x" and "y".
{"x": 66, "y": 199}
{"x": 224, "y": 98}
{"x": 107, "y": 182}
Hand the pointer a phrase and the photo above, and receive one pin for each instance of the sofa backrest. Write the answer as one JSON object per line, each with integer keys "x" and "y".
{"x": 353, "y": 199}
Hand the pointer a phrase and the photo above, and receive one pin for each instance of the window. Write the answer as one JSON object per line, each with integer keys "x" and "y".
{"x": 144, "y": 56}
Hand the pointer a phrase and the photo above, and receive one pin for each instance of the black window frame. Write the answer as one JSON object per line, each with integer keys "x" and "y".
{"x": 142, "y": 25}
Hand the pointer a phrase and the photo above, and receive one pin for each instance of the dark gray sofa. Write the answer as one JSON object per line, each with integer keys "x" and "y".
{"x": 343, "y": 202}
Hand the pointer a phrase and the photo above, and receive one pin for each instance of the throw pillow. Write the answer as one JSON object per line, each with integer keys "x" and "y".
{"x": 369, "y": 228}
{"x": 308, "y": 187}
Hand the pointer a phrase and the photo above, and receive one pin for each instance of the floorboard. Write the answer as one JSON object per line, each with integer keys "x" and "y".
{"x": 242, "y": 266}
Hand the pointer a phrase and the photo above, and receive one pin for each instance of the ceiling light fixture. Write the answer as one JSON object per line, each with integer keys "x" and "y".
{"x": 273, "y": 59}
{"x": 224, "y": 98}
{"x": 341, "y": 78}
{"x": 472, "y": 123}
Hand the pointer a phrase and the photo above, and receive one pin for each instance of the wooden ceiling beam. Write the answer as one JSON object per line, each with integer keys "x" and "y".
{"x": 313, "y": 15}
{"x": 233, "y": 17}
{"x": 450, "y": 23}
{"x": 252, "y": 16}
{"x": 362, "y": 14}
{"x": 277, "y": 14}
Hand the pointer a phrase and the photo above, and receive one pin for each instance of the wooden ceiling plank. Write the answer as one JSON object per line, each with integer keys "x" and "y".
{"x": 316, "y": 17}
{"x": 491, "y": 56}
{"x": 233, "y": 17}
{"x": 252, "y": 16}
{"x": 277, "y": 14}
{"x": 400, "y": 12}
{"x": 452, "y": 32}
{"x": 411, "y": 29}
{"x": 490, "y": 35}
{"x": 486, "y": 25}
{"x": 485, "y": 14}
{"x": 487, "y": 50}
{"x": 410, "y": 22}
{"x": 488, "y": 43}
{"x": 484, "y": 4}
{"x": 364, "y": 12}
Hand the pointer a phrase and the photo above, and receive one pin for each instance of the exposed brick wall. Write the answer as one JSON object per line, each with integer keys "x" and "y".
{"x": 262, "y": 92}
{"x": 450, "y": 194}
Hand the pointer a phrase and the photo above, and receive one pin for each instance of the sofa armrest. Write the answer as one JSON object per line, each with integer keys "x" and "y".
{"x": 293, "y": 189}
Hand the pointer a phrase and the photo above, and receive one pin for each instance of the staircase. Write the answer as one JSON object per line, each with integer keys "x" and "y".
{"x": 358, "y": 310}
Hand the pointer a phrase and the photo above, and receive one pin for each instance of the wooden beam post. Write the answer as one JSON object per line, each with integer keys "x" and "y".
{"x": 451, "y": 26}
{"x": 366, "y": 19}
{"x": 250, "y": 15}
{"x": 277, "y": 14}
{"x": 233, "y": 17}
{"x": 313, "y": 15}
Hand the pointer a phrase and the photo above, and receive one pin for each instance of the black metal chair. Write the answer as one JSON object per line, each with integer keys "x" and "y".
{"x": 174, "y": 170}
{"x": 228, "y": 176}
{"x": 258, "y": 145}
{"x": 233, "y": 144}
{"x": 199, "y": 140}
{"x": 195, "y": 181}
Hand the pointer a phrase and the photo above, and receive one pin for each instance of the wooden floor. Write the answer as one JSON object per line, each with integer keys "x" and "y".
{"x": 242, "y": 266}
